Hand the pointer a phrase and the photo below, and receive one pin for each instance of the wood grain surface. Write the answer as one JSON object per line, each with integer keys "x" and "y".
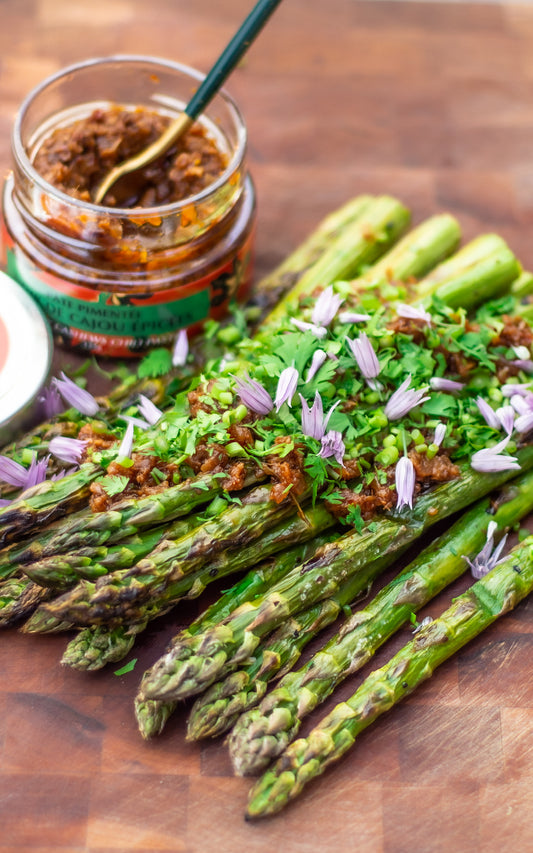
{"x": 432, "y": 103}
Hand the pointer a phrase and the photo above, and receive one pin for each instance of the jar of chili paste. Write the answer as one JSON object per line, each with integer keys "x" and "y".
{"x": 168, "y": 247}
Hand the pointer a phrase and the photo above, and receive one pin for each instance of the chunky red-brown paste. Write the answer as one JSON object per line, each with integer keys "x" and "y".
{"x": 77, "y": 157}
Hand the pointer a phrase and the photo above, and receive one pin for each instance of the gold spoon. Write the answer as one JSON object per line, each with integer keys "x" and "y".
{"x": 225, "y": 63}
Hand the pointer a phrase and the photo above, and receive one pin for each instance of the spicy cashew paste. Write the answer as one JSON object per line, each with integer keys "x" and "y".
{"x": 77, "y": 157}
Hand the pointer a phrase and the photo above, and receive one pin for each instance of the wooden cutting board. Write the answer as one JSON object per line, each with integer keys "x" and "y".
{"x": 432, "y": 102}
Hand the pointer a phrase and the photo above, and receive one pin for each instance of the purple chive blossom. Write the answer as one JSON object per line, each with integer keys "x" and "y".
{"x": 318, "y": 331}
{"x": 149, "y": 410}
{"x": 438, "y": 383}
{"x": 4, "y": 502}
{"x": 489, "y": 460}
{"x": 413, "y": 313}
{"x": 13, "y": 472}
{"x": 405, "y": 482}
{"x": 403, "y": 400}
{"x": 37, "y": 471}
{"x": 254, "y": 396}
{"x": 313, "y": 417}
{"x": 525, "y": 364}
{"x": 69, "y": 450}
{"x": 75, "y": 396}
{"x": 524, "y": 423}
{"x": 522, "y": 405}
{"x": 23, "y": 478}
{"x": 126, "y": 445}
{"x": 505, "y": 415}
{"x": 489, "y": 415}
{"x": 137, "y": 422}
{"x": 181, "y": 349}
{"x": 523, "y": 359}
{"x": 50, "y": 402}
{"x": 319, "y": 357}
{"x": 314, "y": 423}
{"x": 512, "y": 388}
{"x": 440, "y": 432}
{"x": 326, "y": 306}
{"x": 287, "y": 383}
{"x": 488, "y": 557}
{"x": 352, "y": 317}
{"x": 332, "y": 445}
{"x": 366, "y": 358}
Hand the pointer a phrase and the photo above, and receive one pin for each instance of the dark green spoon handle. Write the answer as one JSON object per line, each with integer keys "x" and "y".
{"x": 230, "y": 56}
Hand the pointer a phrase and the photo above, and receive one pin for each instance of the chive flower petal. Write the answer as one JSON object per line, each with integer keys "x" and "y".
{"x": 512, "y": 388}
{"x": 149, "y": 410}
{"x": 318, "y": 331}
{"x": 522, "y": 405}
{"x": 319, "y": 357}
{"x": 489, "y": 415}
{"x": 365, "y": 356}
{"x": 12, "y": 472}
{"x": 525, "y": 364}
{"x": 50, "y": 402}
{"x": 405, "y": 479}
{"x": 314, "y": 424}
{"x": 69, "y": 450}
{"x": 332, "y": 445}
{"x": 506, "y": 415}
{"x": 353, "y": 317}
{"x": 490, "y": 459}
{"x": 313, "y": 417}
{"x": 439, "y": 383}
{"x": 75, "y": 396}
{"x": 181, "y": 349}
{"x": 286, "y": 389}
{"x": 326, "y": 306}
{"x": 126, "y": 445}
{"x": 403, "y": 400}
{"x": 137, "y": 422}
{"x": 254, "y": 396}
{"x": 524, "y": 423}
{"x": 37, "y": 471}
{"x": 413, "y": 313}
{"x": 488, "y": 557}
{"x": 440, "y": 432}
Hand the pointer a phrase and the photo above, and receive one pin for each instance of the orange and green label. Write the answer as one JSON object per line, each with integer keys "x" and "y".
{"x": 124, "y": 323}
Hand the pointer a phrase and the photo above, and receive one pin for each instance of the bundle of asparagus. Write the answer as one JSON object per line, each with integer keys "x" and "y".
{"x": 470, "y": 614}
{"x": 284, "y": 598}
{"x": 425, "y": 373}
{"x": 430, "y": 242}
{"x": 262, "y": 734}
{"x": 157, "y": 576}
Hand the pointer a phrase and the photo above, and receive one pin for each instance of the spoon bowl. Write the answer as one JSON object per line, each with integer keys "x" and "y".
{"x": 216, "y": 77}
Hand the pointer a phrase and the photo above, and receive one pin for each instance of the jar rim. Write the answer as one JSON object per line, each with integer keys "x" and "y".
{"x": 100, "y": 209}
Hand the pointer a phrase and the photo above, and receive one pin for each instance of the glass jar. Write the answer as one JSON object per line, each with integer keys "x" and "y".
{"x": 117, "y": 281}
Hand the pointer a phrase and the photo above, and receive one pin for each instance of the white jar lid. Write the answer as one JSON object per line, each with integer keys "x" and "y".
{"x": 25, "y": 357}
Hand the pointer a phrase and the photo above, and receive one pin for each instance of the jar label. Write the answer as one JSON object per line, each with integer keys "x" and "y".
{"x": 120, "y": 324}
